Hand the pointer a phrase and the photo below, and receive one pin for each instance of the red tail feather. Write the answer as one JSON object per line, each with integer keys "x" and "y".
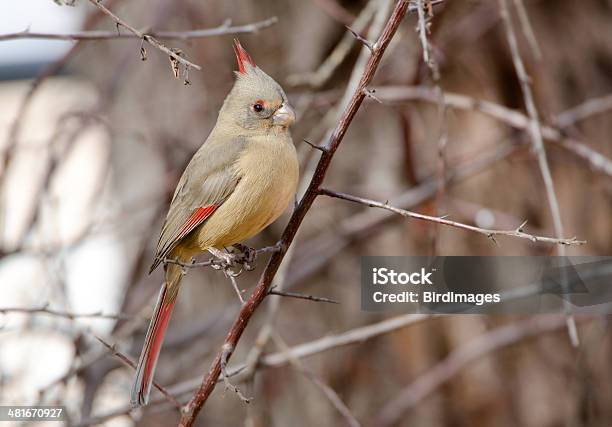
{"x": 151, "y": 348}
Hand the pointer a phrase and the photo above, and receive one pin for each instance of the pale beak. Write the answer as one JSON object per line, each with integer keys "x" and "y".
{"x": 284, "y": 116}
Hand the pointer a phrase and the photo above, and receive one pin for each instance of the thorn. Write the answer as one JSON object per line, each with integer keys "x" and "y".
{"x": 316, "y": 147}
{"x": 186, "y": 81}
{"x": 366, "y": 42}
{"x": 412, "y": 7}
{"x": 174, "y": 64}
{"x": 118, "y": 31}
{"x": 444, "y": 216}
{"x": 301, "y": 296}
{"x": 143, "y": 51}
{"x": 493, "y": 239}
{"x": 520, "y": 227}
{"x": 370, "y": 94}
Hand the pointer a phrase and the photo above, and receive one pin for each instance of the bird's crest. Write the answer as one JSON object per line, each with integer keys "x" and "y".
{"x": 242, "y": 57}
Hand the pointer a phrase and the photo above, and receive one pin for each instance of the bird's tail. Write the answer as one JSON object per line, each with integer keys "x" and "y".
{"x": 155, "y": 336}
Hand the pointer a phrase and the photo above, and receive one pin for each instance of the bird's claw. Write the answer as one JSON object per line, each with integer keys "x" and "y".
{"x": 234, "y": 263}
{"x": 246, "y": 256}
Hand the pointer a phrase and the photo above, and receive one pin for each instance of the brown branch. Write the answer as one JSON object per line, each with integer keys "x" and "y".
{"x": 145, "y": 37}
{"x": 489, "y": 233}
{"x": 223, "y": 29}
{"x": 192, "y": 409}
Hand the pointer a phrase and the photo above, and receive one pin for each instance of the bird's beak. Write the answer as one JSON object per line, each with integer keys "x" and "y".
{"x": 284, "y": 116}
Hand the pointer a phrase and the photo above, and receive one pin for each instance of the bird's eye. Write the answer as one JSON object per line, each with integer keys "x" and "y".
{"x": 258, "y": 107}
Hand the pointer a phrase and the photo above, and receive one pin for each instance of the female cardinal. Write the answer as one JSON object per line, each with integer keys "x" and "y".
{"x": 238, "y": 182}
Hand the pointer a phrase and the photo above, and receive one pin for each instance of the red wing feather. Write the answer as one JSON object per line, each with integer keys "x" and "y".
{"x": 198, "y": 216}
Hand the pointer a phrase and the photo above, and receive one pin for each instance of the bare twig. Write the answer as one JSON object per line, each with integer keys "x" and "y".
{"x": 146, "y": 37}
{"x": 198, "y": 400}
{"x": 223, "y": 29}
{"x": 460, "y": 358}
{"x": 44, "y": 309}
{"x": 535, "y": 131}
{"x": 489, "y": 233}
{"x": 127, "y": 361}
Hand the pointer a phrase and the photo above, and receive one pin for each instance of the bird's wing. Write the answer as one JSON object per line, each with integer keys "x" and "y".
{"x": 207, "y": 182}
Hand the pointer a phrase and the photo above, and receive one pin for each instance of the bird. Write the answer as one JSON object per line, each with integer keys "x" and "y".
{"x": 238, "y": 182}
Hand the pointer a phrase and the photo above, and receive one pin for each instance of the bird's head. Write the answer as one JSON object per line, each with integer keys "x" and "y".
{"x": 256, "y": 102}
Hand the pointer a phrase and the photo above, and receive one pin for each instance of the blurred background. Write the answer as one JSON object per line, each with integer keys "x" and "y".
{"x": 93, "y": 140}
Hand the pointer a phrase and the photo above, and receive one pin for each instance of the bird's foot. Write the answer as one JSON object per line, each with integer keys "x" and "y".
{"x": 229, "y": 262}
{"x": 246, "y": 256}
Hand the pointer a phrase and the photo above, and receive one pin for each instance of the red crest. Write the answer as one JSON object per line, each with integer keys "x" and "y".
{"x": 242, "y": 57}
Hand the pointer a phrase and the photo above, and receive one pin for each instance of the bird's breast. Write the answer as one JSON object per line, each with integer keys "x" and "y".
{"x": 268, "y": 172}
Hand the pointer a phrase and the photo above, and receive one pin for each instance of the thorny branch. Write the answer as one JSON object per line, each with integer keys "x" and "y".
{"x": 223, "y": 29}
{"x": 146, "y": 37}
{"x": 489, "y": 233}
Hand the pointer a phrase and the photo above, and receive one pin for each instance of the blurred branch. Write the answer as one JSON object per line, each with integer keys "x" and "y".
{"x": 489, "y": 233}
{"x": 50, "y": 70}
{"x": 198, "y": 400}
{"x": 145, "y": 37}
{"x": 424, "y": 6}
{"x": 527, "y": 28}
{"x": 127, "y": 361}
{"x": 281, "y": 358}
{"x": 329, "y": 392}
{"x": 590, "y": 107}
{"x": 319, "y": 77}
{"x": 223, "y": 29}
{"x": 44, "y": 309}
{"x": 335, "y": 10}
{"x": 537, "y": 140}
{"x": 460, "y": 358}
{"x": 513, "y": 118}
